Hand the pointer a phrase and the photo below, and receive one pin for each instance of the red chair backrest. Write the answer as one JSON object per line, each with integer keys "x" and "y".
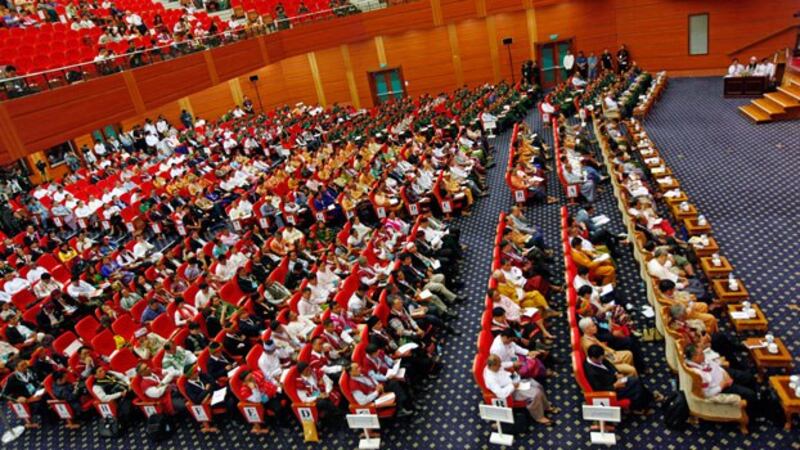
{"x": 279, "y": 273}
{"x": 344, "y": 387}
{"x": 290, "y": 384}
{"x": 163, "y": 325}
{"x": 231, "y": 292}
{"x": 48, "y": 386}
{"x": 63, "y": 341}
{"x": 124, "y": 360}
{"x": 485, "y": 340}
{"x": 104, "y": 343}
{"x": 125, "y": 326}
{"x": 138, "y": 309}
{"x": 87, "y": 328}
{"x": 252, "y": 357}
{"x": 305, "y": 353}
{"x": 202, "y": 360}
{"x": 236, "y": 383}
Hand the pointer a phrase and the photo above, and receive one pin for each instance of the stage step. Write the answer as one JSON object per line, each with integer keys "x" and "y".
{"x": 770, "y": 107}
{"x": 755, "y": 113}
{"x": 791, "y": 91}
{"x": 784, "y": 100}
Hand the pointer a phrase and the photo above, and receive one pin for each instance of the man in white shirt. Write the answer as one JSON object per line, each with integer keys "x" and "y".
{"x": 15, "y": 283}
{"x": 503, "y": 384}
{"x": 765, "y": 69}
{"x": 717, "y": 380}
{"x": 307, "y": 306}
{"x": 568, "y": 62}
{"x": 269, "y": 363}
{"x": 46, "y": 286}
{"x": 225, "y": 270}
{"x": 735, "y": 69}
{"x": 35, "y": 274}
{"x": 145, "y": 250}
{"x": 100, "y": 149}
{"x": 661, "y": 267}
{"x": 79, "y": 288}
{"x": 291, "y": 234}
{"x": 203, "y": 296}
{"x": 155, "y": 388}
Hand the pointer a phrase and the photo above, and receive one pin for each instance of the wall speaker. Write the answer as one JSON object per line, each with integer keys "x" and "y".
{"x": 254, "y": 78}
{"x": 508, "y": 41}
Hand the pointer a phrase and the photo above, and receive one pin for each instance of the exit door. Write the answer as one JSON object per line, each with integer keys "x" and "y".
{"x": 387, "y": 85}
{"x": 551, "y": 56}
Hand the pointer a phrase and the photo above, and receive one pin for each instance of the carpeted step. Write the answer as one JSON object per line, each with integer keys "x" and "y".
{"x": 755, "y": 113}
{"x": 784, "y": 100}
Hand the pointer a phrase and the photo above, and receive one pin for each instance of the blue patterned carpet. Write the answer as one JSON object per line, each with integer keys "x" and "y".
{"x": 739, "y": 175}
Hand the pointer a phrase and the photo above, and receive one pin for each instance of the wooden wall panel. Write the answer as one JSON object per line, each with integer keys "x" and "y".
{"x": 425, "y": 57}
{"x": 513, "y": 25}
{"x": 332, "y": 72}
{"x": 397, "y": 19}
{"x": 297, "y": 80}
{"x": 270, "y": 87}
{"x": 50, "y": 118}
{"x": 474, "y": 45}
{"x": 656, "y": 31}
{"x": 171, "y": 80}
{"x": 590, "y": 22}
{"x": 213, "y": 102}
{"x": 364, "y": 58}
{"x": 458, "y": 10}
{"x": 231, "y": 61}
{"x": 304, "y": 39}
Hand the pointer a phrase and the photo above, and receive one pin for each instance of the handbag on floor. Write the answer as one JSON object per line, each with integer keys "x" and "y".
{"x": 110, "y": 428}
{"x": 676, "y": 412}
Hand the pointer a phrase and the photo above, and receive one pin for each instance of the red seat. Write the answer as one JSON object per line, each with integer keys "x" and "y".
{"x": 355, "y": 408}
{"x": 65, "y": 341}
{"x": 164, "y": 326}
{"x": 62, "y": 409}
{"x": 252, "y": 412}
{"x": 252, "y": 357}
{"x": 87, "y": 328}
{"x": 48, "y": 262}
{"x": 61, "y": 274}
{"x": 231, "y": 292}
{"x": 125, "y": 326}
{"x": 107, "y": 410}
{"x": 104, "y": 343}
{"x": 23, "y": 299}
{"x": 138, "y": 309}
{"x": 147, "y": 405}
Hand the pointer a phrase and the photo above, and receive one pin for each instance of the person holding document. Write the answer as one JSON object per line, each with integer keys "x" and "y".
{"x": 603, "y": 376}
{"x": 366, "y": 390}
{"x": 600, "y": 266}
{"x": 503, "y": 384}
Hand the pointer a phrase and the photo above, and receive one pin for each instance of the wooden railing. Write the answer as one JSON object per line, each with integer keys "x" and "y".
{"x": 764, "y": 38}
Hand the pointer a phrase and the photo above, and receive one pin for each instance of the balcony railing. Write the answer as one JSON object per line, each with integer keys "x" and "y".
{"x": 31, "y": 83}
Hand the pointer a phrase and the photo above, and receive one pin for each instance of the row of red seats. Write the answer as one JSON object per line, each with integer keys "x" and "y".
{"x": 578, "y": 355}
{"x": 572, "y": 191}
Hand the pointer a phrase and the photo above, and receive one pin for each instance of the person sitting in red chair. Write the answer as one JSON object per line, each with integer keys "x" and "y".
{"x": 365, "y": 390}
{"x": 314, "y": 386}
{"x": 257, "y": 389}
{"x": 503, "y": 384}
{"x": 160, "y": 389}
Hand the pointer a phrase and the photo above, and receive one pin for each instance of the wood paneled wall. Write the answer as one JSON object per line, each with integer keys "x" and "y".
{"x": 438, "y": 44}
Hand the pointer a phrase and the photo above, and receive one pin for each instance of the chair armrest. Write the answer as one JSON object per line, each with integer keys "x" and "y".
{"x": 589, "y": 396}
